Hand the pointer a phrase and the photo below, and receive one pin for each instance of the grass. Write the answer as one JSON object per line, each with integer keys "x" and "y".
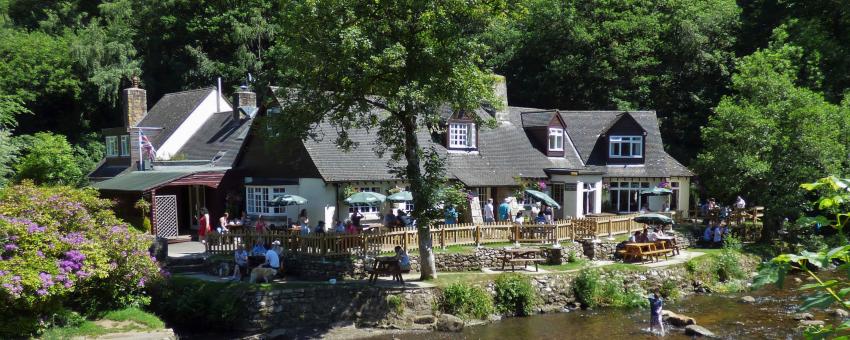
{"x": 625, "y": 267}
{"x": 578, "y": 264}
{"x": 138, "y": 320}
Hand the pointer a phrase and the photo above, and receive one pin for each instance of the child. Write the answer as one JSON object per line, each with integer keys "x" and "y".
{"x": 656, "y": 303}
{"x": 403, "y": 259}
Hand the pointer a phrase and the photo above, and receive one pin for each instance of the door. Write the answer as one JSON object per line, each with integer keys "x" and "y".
{"x": 166, "y": 215}
{"x": 197, "y": 200}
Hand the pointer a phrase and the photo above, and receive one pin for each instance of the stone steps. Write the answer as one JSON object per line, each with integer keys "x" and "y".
{"x": 186, "y": 268}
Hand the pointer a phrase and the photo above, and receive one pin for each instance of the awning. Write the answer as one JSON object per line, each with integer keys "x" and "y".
{"x": 143, "y": 181}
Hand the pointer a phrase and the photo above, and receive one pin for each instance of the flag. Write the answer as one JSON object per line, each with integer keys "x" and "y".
{"x": 146, "y": 146}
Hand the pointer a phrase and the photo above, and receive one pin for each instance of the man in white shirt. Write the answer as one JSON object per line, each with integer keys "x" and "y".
{"x": 653, "y": 235}
{"x": 740, "y": 203}
{"x": 272, "y": 256}
{"x": 488, "y": 211}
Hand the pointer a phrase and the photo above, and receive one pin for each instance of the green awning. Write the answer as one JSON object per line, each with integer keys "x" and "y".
{"x": 542, "y": 196}
{"x": 140, "y": 181}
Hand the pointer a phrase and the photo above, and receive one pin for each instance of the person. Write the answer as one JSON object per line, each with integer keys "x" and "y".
{"x": 340, "y": 227}
{"x": 488, "y": 211}
{"x": 243, "y": 220}
{"x": 712, "y": 204}
{"x": 356, "y": 216}
{"x": 305, "y": 230}
{"x": 518, "y": 219}
{"x": 272, "y": 256}
{"x": 505, "y": 210}
{"x": 653, "y": 235}
{"x": 390, "y": 219}
{"x": 303, "y": 221}
{"x": 643, "y": 238}
{"x": 222, "y": 222}
{"x": 708, "y": 234}
{"x": 320, "y": 227}
{"x": 656, "y": 304}
{"x": 740, "y": 204}
{"x": 718, "y": 236}
{"x": 259, "y": 249}
{"x": 549, "y": 213}
{"x": 644, "y": 208}
{"x": 203, "y": 225}
{"x": 260, "y": 225}
{"x": 541, "y": 218}
{"x": 350, "y": 227}
{"x": 450, "y": 215}
{"x": 634, "y": 238}
{"x": 535, "y": 209}
{"x": 665, "y": 207}
{"x": 241, "y": 258}
{"x": 403, "y": 258}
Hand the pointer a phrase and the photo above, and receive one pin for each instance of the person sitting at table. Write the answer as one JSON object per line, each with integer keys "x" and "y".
{"x": 653, "y": 235}
{"x": 644, "y": 236}
{"x": 518, "y": 219}
{"x": 241, "y": 259}
{"x": 403, "y": 258}
{"x": 320, "y": 227}
{"x": 541, "y": 217}
{"x": 259, "y": 249}
{"x": 339, "y": 227}
{"x": 260, "y": 225}
{"x": 390, "y": 219}
{"x": 350, "y": 227}
{"x": 222, "y": 222}
{"x": 305, "y": 230}
{"x": 634, "y": 238}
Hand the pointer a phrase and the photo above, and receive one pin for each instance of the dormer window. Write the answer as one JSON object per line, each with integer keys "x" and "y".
{"x": 462, "y": 136}
{"x": 625, "y": 147}
{"x": 556, "y": 139}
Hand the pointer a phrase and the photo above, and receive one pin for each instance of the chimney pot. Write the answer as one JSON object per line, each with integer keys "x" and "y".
{"x": 500, "y": 88}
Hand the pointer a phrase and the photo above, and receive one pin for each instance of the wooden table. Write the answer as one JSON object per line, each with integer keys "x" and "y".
{"x": 386, "y": 266}
{"x": 669, "y": 242}
{"x": 641, "y": 251}
{"x": 524, "y": 255}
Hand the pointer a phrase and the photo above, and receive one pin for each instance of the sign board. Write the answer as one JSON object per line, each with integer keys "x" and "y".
{"x": 570, "y": 186}
{"x": 475, "y": 211}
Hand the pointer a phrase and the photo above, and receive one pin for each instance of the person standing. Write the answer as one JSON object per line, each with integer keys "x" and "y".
{"x": 356, "y": 216}
{"x": 450, "y": 215}
{"x": 549, "y": 213}
{"x": 740, "y": 204}
{"x": 505, "y": 210}
{"x": 303, "y": 221}
{"x": 488, "y": 211}
{"x": 203, "y": 225}
{"x": 260, "y": 225}
{"x": 656, "y": 303}
{"x": 222, "y": 222}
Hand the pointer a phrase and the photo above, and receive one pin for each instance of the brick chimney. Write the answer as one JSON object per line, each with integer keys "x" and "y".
{"x": 243, "y": 97}
{"x": 134, "y": 104}
{"x": 500, "y": 88}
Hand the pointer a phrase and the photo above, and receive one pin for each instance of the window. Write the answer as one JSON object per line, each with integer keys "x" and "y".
{"x": 674, "y": 198}
{"x": 111, "y": 146}
{"x": 257, "y": 200}
{"x": 625, "y": 196}
{"x": 125, "y": 145}
{"x": 625, "y": 147}
{"x": 365, "y": 208}
{"x": 589, "y": 192}
{"x": 556, "y": 139}
{"x": 461, "y": 135}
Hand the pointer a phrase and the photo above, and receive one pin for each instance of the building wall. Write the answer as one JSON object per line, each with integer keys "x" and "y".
{"x": 574, "y": 194}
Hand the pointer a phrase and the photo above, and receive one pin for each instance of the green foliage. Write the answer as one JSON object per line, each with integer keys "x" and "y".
{"x": 670, "y": 291}
{"x": 466, "y": 301}
{"x": 395, "y": 303}
{"x": 594, "y": 287}
{"x": 75, "y": 326}
{"x": 48, "y": 159}
{"x": 515, "y": 295}
{"x": 586, "y": 287}
{"x": 213, "y": 305}
{"x": 65, "y": 250}
{"x": 731, "y": 242}
{"x": 722, "y": 271}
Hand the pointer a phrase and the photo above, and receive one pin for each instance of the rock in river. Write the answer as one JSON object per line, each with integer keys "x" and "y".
{"x": 694, "y": 330}
{"x": 840, "y": 313}
{"x": 806, "y": 323}
{"x": 748, "y": 299}
{"x": 677, "y": 320}
{"x": 449, "y": 323}
{"x": 804, "y": 316}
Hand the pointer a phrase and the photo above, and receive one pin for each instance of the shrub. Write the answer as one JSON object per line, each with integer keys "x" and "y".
{"x": 200, "y": 305}
{"x": 395, "y": 303}
{"x": 63, "y": 248}
{"x": 728, "y": 266}
{"x": 515, "y": 294}
{"x": 731, "y": 242}
{"x": 571, "y": 256}
{"x": 466, "y": 301}
{"x": 594, "y": 287}
{"x": 586, "y": 287}
{"x": 669, "y": 290}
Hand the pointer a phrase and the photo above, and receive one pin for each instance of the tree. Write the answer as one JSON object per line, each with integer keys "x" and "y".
{"x": 48, "y": 159}
{"x": 10, "y": 108}
{"x": 772, "y": 135}
{"x": 390, "y": 66}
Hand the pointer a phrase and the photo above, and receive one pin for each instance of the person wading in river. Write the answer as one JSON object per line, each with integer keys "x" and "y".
{"x": 656, "y": 303}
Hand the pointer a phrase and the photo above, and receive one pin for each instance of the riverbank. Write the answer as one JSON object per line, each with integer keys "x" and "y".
{"x": 129, "y": 323}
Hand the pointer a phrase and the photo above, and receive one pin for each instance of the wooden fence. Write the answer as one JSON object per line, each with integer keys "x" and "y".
{"x": 441, "y": 236}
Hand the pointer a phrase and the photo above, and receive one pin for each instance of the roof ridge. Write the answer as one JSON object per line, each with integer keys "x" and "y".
{"x": 187, "y": 91}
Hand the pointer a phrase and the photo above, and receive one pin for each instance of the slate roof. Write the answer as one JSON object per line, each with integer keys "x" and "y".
{"x": 105, "y": 170}
{"x": 221, "y": 135}
{"x": 538, "y": 118}
{"x": 171, "y": 110}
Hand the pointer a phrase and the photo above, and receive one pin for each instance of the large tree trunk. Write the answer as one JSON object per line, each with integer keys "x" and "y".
{"x": 427, "y": 265}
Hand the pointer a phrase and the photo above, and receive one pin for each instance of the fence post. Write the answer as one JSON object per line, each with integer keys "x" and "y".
{"x": 404, "y": 241}
{"x": 609, "y": 228}
{"x": 443, "y": 236}
{"x": 477, "y": 235}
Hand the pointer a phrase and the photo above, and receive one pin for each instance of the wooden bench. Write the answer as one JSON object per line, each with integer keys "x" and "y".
{"x": 524, "y": 261}
{"x": 389, "y": 266}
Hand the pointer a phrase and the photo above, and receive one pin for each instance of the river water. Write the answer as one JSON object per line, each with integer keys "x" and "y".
{"x": 771, "y": 317}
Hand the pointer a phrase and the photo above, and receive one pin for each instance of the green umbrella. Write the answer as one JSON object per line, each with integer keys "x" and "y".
{"x": 656, "y": 191}
{"x": 653, "y": 219}
{"x": 401, "y": 196}
{"x": 365, "y": 197}
{"x": 287, "y": 199}
{"x": 543, "y": 197}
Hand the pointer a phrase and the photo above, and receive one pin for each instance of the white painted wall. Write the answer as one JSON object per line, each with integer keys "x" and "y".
{"x": 193, "y": 122}
{"x": 574, "y": 200}
{"x": 320, "y": 200}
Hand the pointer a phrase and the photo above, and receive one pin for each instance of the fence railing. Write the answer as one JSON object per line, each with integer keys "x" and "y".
{"x": 441, "y": 236}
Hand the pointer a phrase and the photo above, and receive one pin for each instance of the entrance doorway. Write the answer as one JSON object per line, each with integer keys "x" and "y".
{"x": 197, "y": 201}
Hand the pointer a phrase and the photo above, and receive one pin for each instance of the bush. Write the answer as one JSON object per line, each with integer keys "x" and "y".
{"x": 200, "y": 305}
{"x": 669, "y": 291}
{"x": 466, "y": 301}
{"x": 594, "y": 287}
{"x": 395, "y": 303}
{"x": 586, "y": 287}
{"x": 63, "y": 248}
{"x": 728, "y": 267}
{"x": 731, "y": 242}
{"x": 515, "y": 294}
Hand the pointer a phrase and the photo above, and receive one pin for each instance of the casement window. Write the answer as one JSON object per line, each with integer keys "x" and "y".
{"x": 111, "y": 146}
{"x": 625, "y": 196}
{"x": 674, "y": 198}
{"x": 461, "y": 136}
{"x": 556, "y": 139}
{"x": 125, "y": 145}
{"x": 625, "y": 146}
{"x": 366, "y": 208}
{"x": 589, "y": 193}
{"x": 257, "y": 200}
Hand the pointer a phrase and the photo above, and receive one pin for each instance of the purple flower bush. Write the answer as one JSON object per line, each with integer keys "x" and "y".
{"x": 63, "y": 248}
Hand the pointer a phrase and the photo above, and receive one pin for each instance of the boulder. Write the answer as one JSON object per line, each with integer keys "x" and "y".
{"x": 840, "y": 313}
{"x": 695, "y": 330}
{"x": 424, "y": 319}
{"x": 449, "y": 323}
{"x": 804, "y": 316}
{"x": 677, "y": 320}
{"x": 806, "y": 323}
{"x": 748, "y": 299}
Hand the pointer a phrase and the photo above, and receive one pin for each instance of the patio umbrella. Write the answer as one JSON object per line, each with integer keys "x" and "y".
{"x": 365, "y": 198}
{"x": 653, "y": 219}
{"x": 656, "y": 192}
{"x": 401, "y": 196}
{"x": 542, "y": 196}
{"x": 287, "y": 199}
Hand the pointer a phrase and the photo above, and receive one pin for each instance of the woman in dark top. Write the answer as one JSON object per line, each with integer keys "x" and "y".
{"x": 356, "y": 216}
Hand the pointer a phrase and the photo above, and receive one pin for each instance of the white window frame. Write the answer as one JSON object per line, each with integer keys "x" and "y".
{"x": 635, "y": 146}
{"x": 556, "y": 139}
{"x": 125, "y": 145}
{"x": 257, "y": 199}
{"x": 630, "y": 189}
{"x": 461, "y": 135}
{"x": 367, "y": 209}
{"x": 111, "y": 146}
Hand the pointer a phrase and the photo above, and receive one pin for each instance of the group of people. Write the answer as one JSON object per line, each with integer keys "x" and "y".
{"x": 715, "y": 233}
{"x": 270, "y": 266}
{"x": 540, "y": 213}
{"x": 647, "y": 235}
{"x": 398, "y": 219}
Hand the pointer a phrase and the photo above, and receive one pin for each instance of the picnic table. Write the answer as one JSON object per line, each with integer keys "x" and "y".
{"x": 521, "y": 255}
{"x": 645, "y": 250}
{"x": 383, "y": 266}
{"x": 669, "y": 243}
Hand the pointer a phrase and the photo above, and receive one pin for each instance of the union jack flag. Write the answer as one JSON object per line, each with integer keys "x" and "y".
{"x": 146, "y": 146}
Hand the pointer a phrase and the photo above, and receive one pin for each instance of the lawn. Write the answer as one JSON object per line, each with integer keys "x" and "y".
{"x": 569, "y": 266}
{"x": 125, "y": 320}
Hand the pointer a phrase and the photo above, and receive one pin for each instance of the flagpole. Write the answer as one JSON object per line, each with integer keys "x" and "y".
{"x": 141, "y": 157}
